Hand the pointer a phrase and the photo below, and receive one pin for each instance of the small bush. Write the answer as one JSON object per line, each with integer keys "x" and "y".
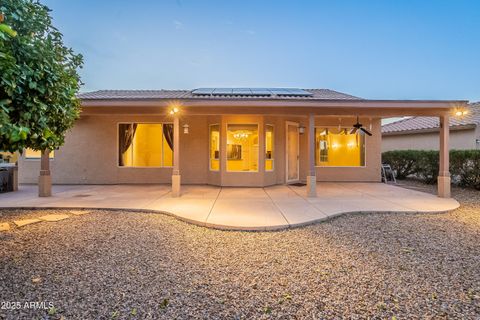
{"x": 465, "y": 165}
{"x": 423, "y": 164}
{"x": 402, "y": 161}
{"x": 427, "y": 166}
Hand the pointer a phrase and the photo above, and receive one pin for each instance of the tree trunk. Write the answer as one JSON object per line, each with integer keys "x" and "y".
{"x": 45, "y": 180}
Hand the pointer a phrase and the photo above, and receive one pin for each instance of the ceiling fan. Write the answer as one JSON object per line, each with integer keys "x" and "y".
{"x": 358, "y": 126}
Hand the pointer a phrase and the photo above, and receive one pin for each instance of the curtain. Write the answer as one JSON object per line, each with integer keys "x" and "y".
{"x": 168, "y": 134}
{"x": 125, "y": 135}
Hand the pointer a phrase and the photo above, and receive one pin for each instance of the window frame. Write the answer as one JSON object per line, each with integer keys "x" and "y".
{"x": 341, "y": 127}
{"x": 265, "y": 147}
{"x": 118, "y": 145}
{"x": 210, "y": 147}
{"x": 226, "y": 144}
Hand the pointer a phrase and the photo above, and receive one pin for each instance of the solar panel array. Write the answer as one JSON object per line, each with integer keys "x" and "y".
{"x": 257, "y": 92}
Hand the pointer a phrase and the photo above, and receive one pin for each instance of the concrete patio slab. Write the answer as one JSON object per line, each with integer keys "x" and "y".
{"x": 231, "y": 208}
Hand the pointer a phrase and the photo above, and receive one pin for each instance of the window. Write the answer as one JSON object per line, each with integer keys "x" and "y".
{"x": 145, "y": 145}
{"x": 215, "y": 147}
{"x": 269, "y": 141}
{"x": 8, "y": 157}
{"x": 36, "y": 154}
{"x": 242, "y": 147}
{"x": 338, "y": 148}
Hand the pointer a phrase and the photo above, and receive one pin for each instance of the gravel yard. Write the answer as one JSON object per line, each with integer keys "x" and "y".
{"x": 133, "y": 265}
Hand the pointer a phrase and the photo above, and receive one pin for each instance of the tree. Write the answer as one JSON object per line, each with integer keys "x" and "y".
{"x": 38, "y": 79}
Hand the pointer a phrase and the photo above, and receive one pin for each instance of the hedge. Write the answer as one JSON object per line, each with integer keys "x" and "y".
{"x": 423, "y": 164}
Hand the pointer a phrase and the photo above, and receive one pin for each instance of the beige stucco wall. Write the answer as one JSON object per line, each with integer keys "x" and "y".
{"x": 459, "y": 139}
{"x": 90, "y": 154}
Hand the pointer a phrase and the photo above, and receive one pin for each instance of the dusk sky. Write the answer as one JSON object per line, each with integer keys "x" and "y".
{"x": 372, "y": 49}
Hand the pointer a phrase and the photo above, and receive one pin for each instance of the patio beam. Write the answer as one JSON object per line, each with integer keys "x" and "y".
{"x": 45, "y": 179}
{"x": 176, "y": 157}
{"x": 444, "y": 171}
{"x": 312, "y": 177}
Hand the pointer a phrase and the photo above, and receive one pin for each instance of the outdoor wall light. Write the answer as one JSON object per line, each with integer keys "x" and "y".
{"x": 301, "y": 129}
{"x": 460, "y": 112}
{"x": 185, "y": 128}
{"x": 174, "y": 110}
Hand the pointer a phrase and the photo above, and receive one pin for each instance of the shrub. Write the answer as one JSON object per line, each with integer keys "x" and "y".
{"x": 465, "y": 165}
{"x": 402, "y": 161}
{"x": 427, "y": 166}
{"x": 423, "y": 164}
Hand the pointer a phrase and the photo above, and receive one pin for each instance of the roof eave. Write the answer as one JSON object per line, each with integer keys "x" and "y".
{"x": 428, "y": 130}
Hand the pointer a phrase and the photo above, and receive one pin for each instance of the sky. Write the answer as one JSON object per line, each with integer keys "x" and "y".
{"x": 383, "y": 49}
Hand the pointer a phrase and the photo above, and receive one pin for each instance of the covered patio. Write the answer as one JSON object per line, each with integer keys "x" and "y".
{"x": 231, "y": 208}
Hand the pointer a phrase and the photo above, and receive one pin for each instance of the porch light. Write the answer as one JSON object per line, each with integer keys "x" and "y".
{"x": 185, "y": 128}
{"x": 301, "y": 129}
{"x": 460, "y": 112}
{"x": 174, "y": 110}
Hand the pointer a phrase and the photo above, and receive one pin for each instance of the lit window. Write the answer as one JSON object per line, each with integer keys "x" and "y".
{"x": 269, "y": 147}
{"x": 215, "y": 147}
{"x": 8, "y": 157}
{"x": 339, "y": 148}
{"x": 36, "y": 154}
{"x": 145, "y": 145}
{"x": 242, "y": 147}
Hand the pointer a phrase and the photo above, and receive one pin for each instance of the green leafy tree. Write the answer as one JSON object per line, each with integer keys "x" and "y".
{"x": 38, "y": 79}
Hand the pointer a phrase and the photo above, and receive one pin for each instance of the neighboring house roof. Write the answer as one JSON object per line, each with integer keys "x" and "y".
{"x": 427, "y": 124}
{"x": 317, "y": 94}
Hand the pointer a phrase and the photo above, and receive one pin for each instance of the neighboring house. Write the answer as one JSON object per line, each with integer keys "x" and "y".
{"x": 421, "y": 133}
{"x": 225, "y": 137}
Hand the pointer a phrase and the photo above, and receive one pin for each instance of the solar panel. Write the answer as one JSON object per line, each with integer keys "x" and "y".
{"x": 265, "y": 92}
{"x": 261, "y": 92}
{"x": 242, "y": 91}
{"x": 202, "y": 91}
{"x": 222, "y": 91}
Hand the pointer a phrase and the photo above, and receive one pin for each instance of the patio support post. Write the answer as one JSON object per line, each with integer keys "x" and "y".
{"x": 312, "y": 177}
{"x": 176, "y": 157}
{"x": 45, "y": 179}
{"x": 444, "y": 171}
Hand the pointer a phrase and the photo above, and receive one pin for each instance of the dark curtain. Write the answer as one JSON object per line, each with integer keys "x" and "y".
{"x": 125, "y": 135}
{"x": 168, "y": 133}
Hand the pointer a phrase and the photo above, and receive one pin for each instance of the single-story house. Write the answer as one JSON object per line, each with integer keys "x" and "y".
{"x": 251, "y": 137}
{"x": 421, "y": 133}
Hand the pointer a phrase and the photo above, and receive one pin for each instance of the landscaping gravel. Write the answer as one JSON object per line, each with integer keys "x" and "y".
{"x": 133, "y": 265}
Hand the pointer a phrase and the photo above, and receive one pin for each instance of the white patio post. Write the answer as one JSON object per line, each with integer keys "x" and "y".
{"x": 45, "y": 179}
{"x": 312, "y": 177}
{"x": 444, "y": 172}
{"x": 176, "y": 157}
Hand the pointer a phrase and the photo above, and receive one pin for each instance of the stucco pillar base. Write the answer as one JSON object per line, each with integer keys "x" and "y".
{"x": 311, "y": 186}
{"x": 443, "y": 186}
{"x": 44, "y": 186}
{"x": 176, "y": 185}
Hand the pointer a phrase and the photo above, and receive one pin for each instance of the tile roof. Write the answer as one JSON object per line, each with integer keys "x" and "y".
{"x": 430, "y": 123}
{"x": 318, "y": 94}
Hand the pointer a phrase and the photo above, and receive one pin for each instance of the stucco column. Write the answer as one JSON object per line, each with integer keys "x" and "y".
{"x": 176, "y": 157}
{"x": 45, "y": 179}
{"x": 444, "y": 171}
{"x": 311, "y": 177}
